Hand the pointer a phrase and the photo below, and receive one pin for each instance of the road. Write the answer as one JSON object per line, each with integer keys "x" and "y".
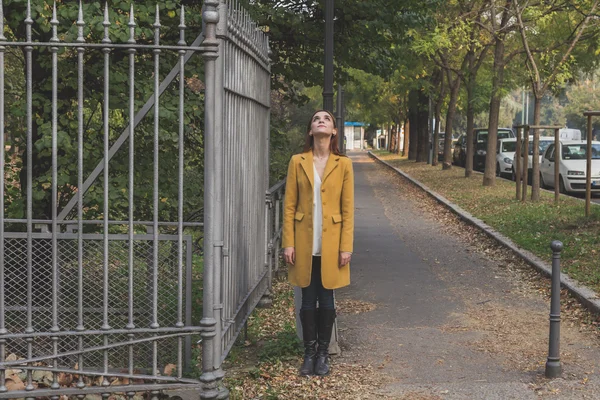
{"x": 454, "y": 316}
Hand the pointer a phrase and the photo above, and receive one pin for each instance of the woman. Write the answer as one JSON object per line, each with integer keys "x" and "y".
{"x": 318, "y": 230}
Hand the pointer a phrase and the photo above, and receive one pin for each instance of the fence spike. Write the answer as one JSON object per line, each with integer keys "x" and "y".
{"x": 2, "y": 21}
{"x": 28, "y": 22}
{"x": 157, "y": 18}
{"x": 80, "y": 23}
{"x": 182, "y": 28}
{"x": 131, "y": 25}
{"x": 54, "y": 23}
{"x": 106, "y": 24}
{"x": 156, "y": 26}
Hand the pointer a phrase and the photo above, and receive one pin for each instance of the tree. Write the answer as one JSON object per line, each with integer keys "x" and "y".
{"x": 499, "y": 31}
{"x": 549, "y": 54}
{"x": 452, "y": 45}
{"x": 477, "y": 50}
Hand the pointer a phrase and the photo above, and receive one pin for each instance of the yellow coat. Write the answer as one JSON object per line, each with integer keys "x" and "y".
{"x": 337, "y": 197}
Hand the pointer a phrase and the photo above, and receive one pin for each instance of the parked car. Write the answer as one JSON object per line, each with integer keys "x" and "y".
{"x": 456, "y": 152}
{"x": 442, "y": 137}
{"x": 479, "y": 156}
{"x": 572, "y": 166}
{"x": 505, "y": 152}
{"x": 479, "y": 136}
{"x": 545, "y": 141}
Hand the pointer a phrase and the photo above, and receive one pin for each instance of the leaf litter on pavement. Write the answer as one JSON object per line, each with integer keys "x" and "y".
{"x": 253, "y": 375}
{"x": 521, "y": 338}
{"x": 249, "y": 377}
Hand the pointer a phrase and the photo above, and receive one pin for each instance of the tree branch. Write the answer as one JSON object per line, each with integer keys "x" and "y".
{"x": 531, "y": 65}
{"x": 571, "y": 47}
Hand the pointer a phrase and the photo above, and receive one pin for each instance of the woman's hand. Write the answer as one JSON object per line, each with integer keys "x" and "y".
{"x": 345, "y": 258}
{"x": 289, "y": 255}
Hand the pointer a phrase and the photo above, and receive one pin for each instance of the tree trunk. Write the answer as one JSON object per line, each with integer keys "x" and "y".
{"x": 438, "y": 116}
{"x": 489, "y": 175}
{"x": 397, "y": 138}
{"x": 454, "y": 88}
{"x": 422, "y": 127}
{"x": 535, "y": 161}
{"x": 406, "y": 138}
{"x": 413, "y": 116}
{"x": 470, "y": 124}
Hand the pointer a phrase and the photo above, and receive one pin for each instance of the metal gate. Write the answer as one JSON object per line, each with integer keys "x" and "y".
{"x": 104, "y": 305}
{"x": 237, "y": 273}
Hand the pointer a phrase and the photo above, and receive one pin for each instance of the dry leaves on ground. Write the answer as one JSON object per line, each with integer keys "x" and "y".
{"x": 248, "y": 378}
{"x": 280, "y": 380}
{"x": 349, "y": 306}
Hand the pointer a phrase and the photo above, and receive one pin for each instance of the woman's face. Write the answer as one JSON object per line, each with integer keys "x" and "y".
{"x": 322, "y": 125}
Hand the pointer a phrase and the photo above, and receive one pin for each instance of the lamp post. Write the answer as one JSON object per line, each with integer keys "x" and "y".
{"x": 328, "y": 85}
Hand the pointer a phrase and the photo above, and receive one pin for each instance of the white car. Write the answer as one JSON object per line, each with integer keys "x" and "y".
{"x": 505, "y": 152}
{"x": 572, "y": 166}
{"x": 545, "y": 141}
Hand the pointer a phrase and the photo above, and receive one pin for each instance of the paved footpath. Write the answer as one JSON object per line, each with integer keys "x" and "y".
{"x": 453, "y": 319}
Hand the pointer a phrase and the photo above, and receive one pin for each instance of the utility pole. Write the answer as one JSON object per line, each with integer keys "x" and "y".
{"x": 328, "y": 85}
{"x": 340, "y": 118}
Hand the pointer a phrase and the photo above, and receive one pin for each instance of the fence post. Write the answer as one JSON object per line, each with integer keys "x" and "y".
{"x": 517, "y": 164}
{"x": 266, "y": 300}
{"x": 588, "y": 154}
{"x": 525, "y": 156}
{"x": 556, "y": 165}
{"x": 210, "y": 16}
{"x": 553, "y": 365}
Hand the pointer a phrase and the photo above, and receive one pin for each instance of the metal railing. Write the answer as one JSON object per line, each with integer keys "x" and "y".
{"x": 274, "y": 227}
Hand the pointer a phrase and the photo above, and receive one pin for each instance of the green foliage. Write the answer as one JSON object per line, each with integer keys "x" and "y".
{"x": 92, "y": 110}
{"x": 283, "y": 346}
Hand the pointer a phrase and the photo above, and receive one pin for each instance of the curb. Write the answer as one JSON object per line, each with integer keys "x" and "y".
{"x": 588, "y": 297}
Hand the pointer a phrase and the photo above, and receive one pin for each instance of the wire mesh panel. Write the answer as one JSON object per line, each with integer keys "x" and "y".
{"x": 68, "y": 297}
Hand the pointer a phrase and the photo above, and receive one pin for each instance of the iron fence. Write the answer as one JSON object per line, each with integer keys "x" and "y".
{"x": 104, "y": 305}
{"x": 235, "y": 188}
{"x": 94, "y": 306}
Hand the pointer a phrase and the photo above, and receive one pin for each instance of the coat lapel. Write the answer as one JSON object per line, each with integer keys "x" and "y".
{"x": 307, "y": 165}
{"x": 332, "y": 164}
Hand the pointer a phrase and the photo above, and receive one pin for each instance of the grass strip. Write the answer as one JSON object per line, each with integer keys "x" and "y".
{"x": 532, "y": 226}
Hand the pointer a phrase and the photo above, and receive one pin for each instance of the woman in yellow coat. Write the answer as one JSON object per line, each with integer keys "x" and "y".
{"x": 318, "y": 232}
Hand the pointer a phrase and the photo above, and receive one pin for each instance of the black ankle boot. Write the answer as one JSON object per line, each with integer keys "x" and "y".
{"x": 309, "y": 335}
{"x": 326, "y": 319}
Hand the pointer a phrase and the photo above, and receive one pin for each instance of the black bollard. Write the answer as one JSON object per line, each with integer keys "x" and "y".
{"x": 553, "y": 366}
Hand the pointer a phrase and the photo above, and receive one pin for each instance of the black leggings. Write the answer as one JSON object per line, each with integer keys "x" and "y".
{"x": 315, "y": 292}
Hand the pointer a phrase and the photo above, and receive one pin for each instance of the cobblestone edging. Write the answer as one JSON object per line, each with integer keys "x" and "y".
{"x": 588, "y": 297}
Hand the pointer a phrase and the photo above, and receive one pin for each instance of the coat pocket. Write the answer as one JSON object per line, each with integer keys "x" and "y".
{"x": 337, "y": 218}
{"x": 299, "y": 216}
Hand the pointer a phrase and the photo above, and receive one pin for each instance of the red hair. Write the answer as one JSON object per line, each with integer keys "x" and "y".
{"x": 309, "y": 139}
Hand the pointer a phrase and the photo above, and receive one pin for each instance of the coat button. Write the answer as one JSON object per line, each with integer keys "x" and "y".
{"x": 324, "y": 229}
{"x": 324, "y": 216}
{"x": 323, "y": 190}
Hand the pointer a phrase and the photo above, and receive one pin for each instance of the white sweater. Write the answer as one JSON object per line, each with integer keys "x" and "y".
{"x": 317, "y": 214}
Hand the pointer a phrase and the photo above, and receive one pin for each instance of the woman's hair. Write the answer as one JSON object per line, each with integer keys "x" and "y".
{"x": 309, "y": 139}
